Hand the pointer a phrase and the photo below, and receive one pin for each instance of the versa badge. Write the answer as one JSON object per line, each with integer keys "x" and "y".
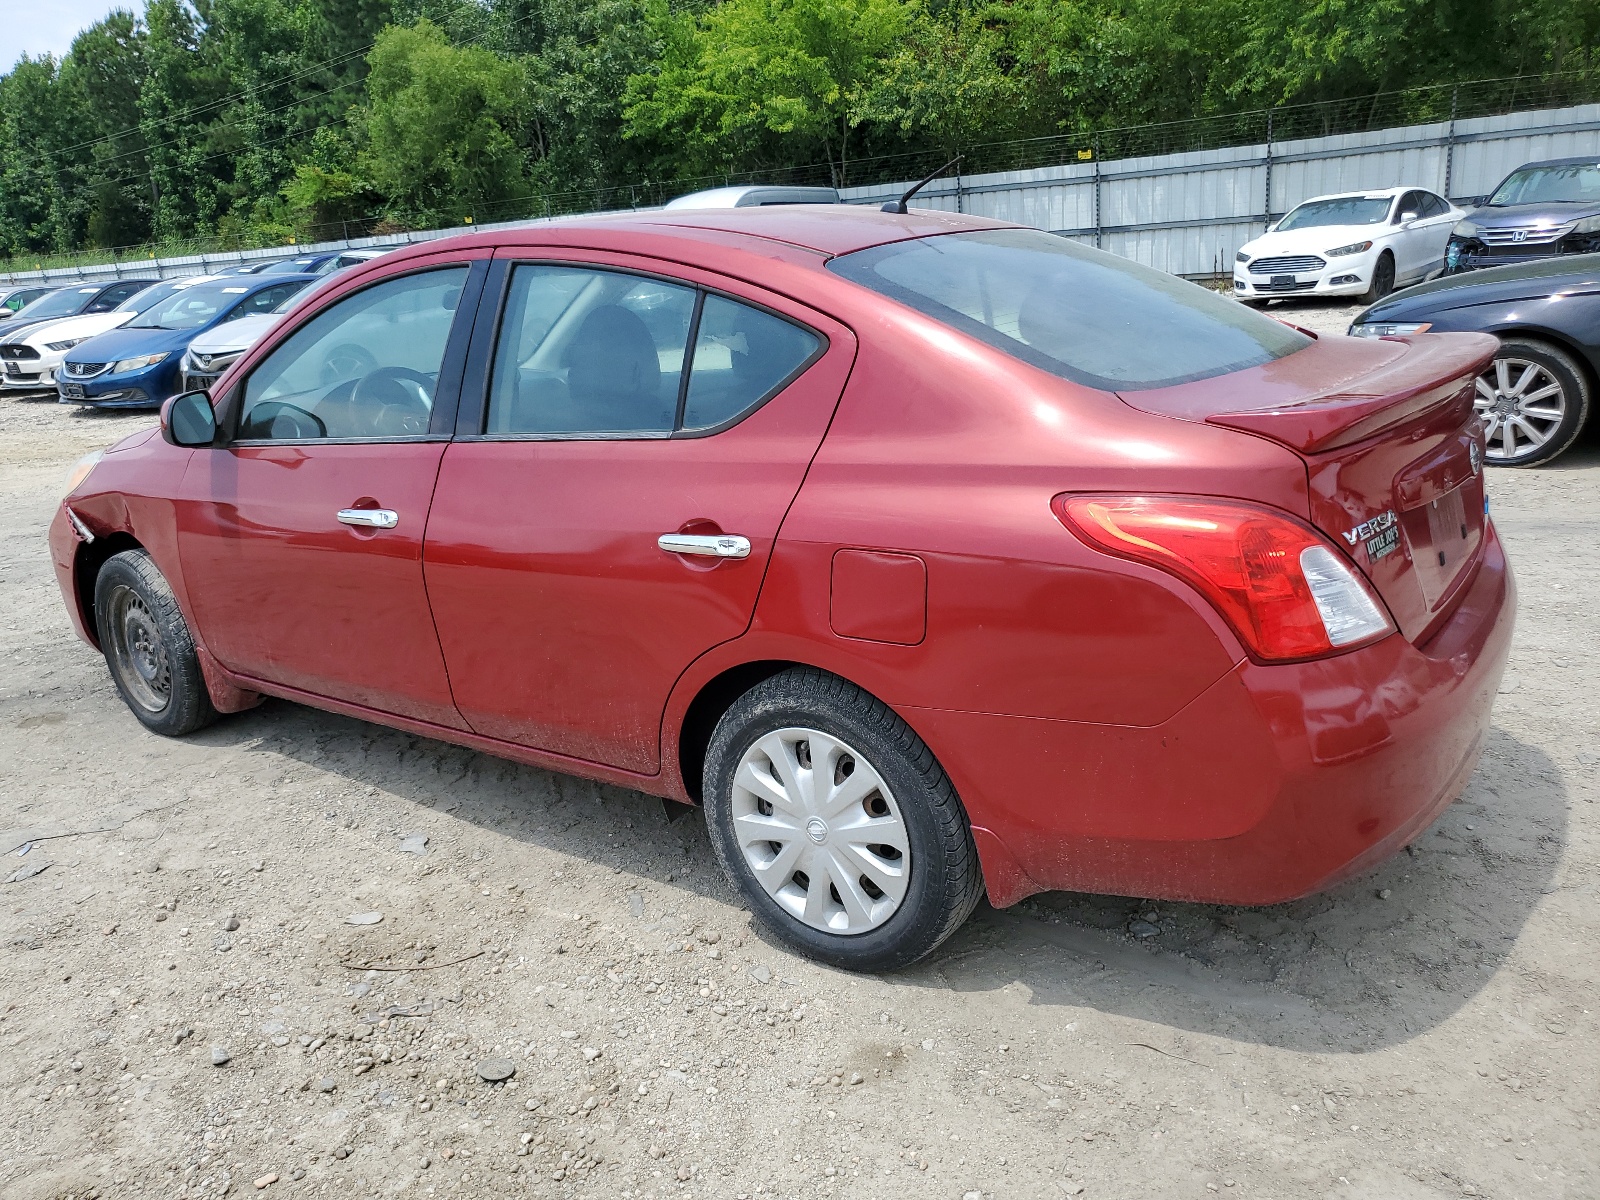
{"x": 1380, "y": 535}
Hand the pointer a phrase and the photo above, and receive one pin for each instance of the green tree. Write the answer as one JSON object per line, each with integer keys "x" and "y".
{"x": 790, "y": 74}
{"x": 439, "y": 126}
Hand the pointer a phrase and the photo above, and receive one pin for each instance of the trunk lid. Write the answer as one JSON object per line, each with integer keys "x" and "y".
{"x": 1392, "y": 447}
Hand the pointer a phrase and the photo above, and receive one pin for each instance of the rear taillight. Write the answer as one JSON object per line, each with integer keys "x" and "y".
{"x": 1286, "y": 592}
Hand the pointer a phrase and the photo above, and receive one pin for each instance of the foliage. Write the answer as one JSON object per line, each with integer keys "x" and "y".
{"x": 261, "y": 121}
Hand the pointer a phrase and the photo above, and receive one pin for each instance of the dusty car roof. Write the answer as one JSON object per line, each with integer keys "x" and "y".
{"x": 824, "y": 229}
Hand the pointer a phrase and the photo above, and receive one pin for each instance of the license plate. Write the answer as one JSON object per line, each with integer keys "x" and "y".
{"x": 1283, "y": 281}
{"x": 13, "y": 369}
{"x": 72, "y": 391}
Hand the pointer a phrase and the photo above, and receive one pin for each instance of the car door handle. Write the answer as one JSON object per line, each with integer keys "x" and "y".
{"x": 370, "y": 518}
{"x": 715, "y": 545}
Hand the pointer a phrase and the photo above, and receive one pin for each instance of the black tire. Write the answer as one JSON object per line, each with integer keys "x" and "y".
{"x": 148, "y": 648}
{"x": 945, "y": 880}
{"x": 1382, "y": 280}
{"x": 1576, "y": 399}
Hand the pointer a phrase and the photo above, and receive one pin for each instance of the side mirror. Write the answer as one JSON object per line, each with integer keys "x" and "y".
{"x": 1407, "y": 217}
{"x": 188, "y": 420}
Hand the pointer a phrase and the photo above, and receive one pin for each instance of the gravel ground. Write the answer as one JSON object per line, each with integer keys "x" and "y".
{"x": 195, "y": 1003}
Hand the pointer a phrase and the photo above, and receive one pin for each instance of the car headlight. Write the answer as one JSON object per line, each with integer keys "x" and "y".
{"x": 1465, "y": 229}
{"x": 66, "y": 345}
{"x": 80, "y": 470}
{"x": 1241, "y": 257}
{"x": 1586, "y": 226}
{"x": 138, "y": 364}
{"x": 1352, "y": 248}
{"x": 1378, "y": 329}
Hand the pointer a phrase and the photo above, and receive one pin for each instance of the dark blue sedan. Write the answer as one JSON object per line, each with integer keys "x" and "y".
{"x": 137, "y": 366}
{"x": 1537, "y": 395}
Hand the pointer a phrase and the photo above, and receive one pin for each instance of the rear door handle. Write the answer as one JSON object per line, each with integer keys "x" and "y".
{"x": 370, "y": 518}
{"x": 716, "y": 545}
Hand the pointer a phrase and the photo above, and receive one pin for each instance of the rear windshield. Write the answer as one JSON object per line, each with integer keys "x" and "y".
{"x": 1345, "y": 210}
{"x": 1082, "y": 314}
{"x": 1570, "y": 183}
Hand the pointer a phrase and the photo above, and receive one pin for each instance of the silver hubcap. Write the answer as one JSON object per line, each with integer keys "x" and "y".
{"x": 1521, "y": 405}
{"x": 139, "y": 652}
{"x": 821, "y": 831}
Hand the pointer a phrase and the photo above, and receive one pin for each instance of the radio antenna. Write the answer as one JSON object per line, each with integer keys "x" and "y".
{"x": 899, "y": 206}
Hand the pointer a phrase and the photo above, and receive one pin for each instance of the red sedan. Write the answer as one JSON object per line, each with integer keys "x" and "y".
{"x": 932, "y": 556}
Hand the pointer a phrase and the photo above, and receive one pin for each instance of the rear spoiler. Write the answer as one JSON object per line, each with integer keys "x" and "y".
{"x": 1436, "y": 368}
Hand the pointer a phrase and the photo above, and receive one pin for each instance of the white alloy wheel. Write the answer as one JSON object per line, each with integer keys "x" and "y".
{"x": 1522, "y": 405}
{"x": 821, "y": 831}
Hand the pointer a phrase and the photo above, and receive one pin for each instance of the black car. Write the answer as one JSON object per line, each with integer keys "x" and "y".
{"x": 1540, "y": 210}
{"x": 1537, "y": 394}
{"x": 71, "y": 301}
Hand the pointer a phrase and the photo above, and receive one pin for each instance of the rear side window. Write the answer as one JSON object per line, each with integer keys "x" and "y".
{"x": 587, "y": 352}
{"x": 1087, "y": 316}
{"x": 741, "y": 356}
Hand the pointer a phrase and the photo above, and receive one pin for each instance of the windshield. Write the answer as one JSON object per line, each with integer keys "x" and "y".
{"x": 1346, "y": 210}
{"x": 190, "y": 308}
{"x": 140, "y": 301}
{"x": 65, "y": 303}
{"x": 1082, "y": 314}
{"x": 1573, "y": 183}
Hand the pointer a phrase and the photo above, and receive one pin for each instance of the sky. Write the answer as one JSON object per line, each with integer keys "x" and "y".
{"x": 48, "y": 26}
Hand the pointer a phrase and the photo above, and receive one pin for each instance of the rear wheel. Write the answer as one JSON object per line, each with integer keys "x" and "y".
{"x": 1382, "y": 280}
{"x": 836, "y": 825}
{"x": 148, "y": 646}
{"x": 1534, "y": 400}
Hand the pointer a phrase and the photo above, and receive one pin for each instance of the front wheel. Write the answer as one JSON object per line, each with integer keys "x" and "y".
{"x": 1382, "y": 280}
{"x": 148, "y": 646}
{"x": 1534, "y": 400}
{"x": 836, "y": 825}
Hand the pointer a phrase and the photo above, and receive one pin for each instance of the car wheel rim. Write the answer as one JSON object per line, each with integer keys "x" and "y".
{"x": 1522, "y": 405}
{"x": 139, "y": 652}
{"x": 821, "y": 831}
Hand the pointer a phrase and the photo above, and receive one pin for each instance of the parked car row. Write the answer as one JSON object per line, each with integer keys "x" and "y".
{"x": 128, "y": 343}
{"x": 1524, "y": 264}
{"x": 1366, "y": 244}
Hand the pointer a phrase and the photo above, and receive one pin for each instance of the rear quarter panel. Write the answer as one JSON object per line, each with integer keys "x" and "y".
{"x": 947, "y": 450}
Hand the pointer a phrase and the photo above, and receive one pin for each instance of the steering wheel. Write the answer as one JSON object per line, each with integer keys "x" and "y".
{"x": 393, "y": 401}
{"x": 346, "y": 361}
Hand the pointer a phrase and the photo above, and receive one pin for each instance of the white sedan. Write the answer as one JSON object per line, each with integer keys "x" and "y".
{"x": 1361, "y": 244}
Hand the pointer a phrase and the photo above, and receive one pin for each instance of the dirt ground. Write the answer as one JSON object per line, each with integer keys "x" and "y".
{"x": 1427, "y": 1030}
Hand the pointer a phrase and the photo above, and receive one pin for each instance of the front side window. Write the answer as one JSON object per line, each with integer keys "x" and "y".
{"x": 114, "y": 296}
{"x": 1343, "y": 210}
{"x": 1085, "y": 315}
{"x": 366, "y": 367}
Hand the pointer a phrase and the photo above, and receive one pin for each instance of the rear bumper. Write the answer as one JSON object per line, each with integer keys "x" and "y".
{"x": 1279, "y": 781}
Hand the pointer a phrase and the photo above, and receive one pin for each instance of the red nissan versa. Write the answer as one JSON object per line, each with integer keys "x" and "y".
{"x": 931, "y": 555}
